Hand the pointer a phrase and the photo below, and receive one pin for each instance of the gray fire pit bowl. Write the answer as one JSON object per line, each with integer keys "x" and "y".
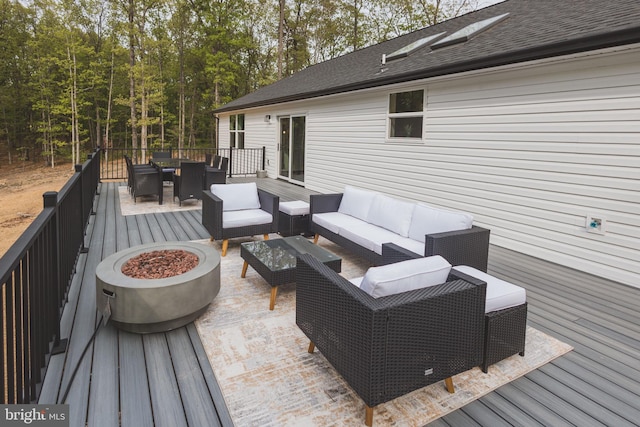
{"x": 157, "y": 305}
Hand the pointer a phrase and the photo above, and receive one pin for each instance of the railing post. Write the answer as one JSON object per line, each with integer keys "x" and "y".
{"x": 51, "y": 201}
{"x": 230, "y": 162}
{"x": 83, "y": 248}
{"x": 264, "y": 155}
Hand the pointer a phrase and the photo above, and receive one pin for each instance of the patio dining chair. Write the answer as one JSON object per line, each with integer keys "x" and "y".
{"x": 188, "y": 185}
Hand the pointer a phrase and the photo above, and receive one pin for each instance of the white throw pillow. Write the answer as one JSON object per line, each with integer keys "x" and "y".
{"x": 405, "y": 276}
{"x": 392, "y": 214}
{"x": 236, "y": 197}
{"x": 356, "y": 202}
{"x": 429, "y": 220}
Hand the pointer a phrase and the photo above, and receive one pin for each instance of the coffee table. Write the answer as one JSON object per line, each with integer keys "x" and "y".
{"x": 275, "y": 260}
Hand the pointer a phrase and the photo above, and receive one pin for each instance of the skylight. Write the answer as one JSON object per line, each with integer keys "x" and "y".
{"x": 469, "y": 31}
{"x": 411, "y": 47}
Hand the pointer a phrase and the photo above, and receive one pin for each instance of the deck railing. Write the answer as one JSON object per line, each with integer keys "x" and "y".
{"x": 242, "y": 161}
{"x": 35, "y": 275}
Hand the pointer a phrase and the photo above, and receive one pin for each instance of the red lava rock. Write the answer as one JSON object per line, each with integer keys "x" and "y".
{"x": 160, "y": 264}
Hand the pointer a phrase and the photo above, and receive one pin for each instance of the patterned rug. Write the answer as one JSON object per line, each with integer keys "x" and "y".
{"x": 149, "y": 204}
{"x": 267, "y": 377}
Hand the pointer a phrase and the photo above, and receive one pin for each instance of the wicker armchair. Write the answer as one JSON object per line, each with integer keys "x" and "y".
{"x": 389, "y": 346}
{"x": 216, "y": 220}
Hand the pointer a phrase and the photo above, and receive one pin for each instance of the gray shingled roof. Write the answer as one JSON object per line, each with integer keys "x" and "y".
{"x": 534, "y": 29}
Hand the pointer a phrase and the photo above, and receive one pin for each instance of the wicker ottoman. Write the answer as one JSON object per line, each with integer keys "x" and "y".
{"x": 505, "y": 318}
{"x": 293, "y": 218}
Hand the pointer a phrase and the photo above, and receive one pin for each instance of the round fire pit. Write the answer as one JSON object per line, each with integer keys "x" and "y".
{"x": 157, "y": 305}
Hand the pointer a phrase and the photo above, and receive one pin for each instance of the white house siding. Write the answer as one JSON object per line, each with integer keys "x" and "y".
{"x": 529, "y": 151}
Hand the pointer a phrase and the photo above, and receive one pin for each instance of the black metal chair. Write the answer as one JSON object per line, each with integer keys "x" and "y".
{"x": 389, "y": 346}
{"x": 188, "y": 185}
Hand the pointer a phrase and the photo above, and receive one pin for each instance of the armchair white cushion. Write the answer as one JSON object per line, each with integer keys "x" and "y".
{"x": 236, "y": 197}
{"x": 430, "y": 220}
{"x": 404, "y": 276}
{"x": 392, "y": 214}
{"x": 244, "y": 218}
{"x": 356, "y": 202}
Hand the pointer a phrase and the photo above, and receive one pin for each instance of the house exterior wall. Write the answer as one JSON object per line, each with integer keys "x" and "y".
{"x": 529, "y": 150}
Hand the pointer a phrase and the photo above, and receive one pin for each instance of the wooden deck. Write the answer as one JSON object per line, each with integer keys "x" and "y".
{"x": 165, "y": 379}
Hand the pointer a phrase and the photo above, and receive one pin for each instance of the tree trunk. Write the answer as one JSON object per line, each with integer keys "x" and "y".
{"x": 132, "y": 82}
{"x": 280, "y": 38}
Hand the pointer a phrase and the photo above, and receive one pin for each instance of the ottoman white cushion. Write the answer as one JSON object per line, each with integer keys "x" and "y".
{"x": 297, "y": 207}
{"x": 500, "y": 294}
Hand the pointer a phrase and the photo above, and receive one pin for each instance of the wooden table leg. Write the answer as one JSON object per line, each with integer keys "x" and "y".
{"x": 244, "y": 269}
{"x": 272, "y": 302}
{"x": 312, "y": 347}
{"x": 368, "y": 416}
{"x": 449, "y": 383}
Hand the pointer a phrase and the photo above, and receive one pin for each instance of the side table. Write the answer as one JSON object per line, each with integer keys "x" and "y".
{"x": 293, "y": 218}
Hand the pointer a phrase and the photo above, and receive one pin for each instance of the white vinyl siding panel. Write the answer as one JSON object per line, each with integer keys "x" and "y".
{"x": 528, "y": 152}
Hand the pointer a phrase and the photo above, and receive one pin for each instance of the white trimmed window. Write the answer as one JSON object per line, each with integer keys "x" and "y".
{"x": 406, "y": 115}
{"x": 236, "y": 131}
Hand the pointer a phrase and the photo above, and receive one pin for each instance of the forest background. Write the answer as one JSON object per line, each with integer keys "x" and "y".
{"x": 78, "y": 74}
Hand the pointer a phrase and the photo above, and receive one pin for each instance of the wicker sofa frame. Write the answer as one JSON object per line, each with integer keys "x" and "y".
{"x": 387, "y": 347}
{"x": 212, "y": 218}
{"x": 469, "y": 247}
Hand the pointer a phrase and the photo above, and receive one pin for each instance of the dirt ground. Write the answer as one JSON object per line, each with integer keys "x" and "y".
{"x": 22, "y": 185}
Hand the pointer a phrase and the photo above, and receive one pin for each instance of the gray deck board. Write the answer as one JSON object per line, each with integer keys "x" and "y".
{"x": 165, "y": 379}
{"x": 134, "y": 388}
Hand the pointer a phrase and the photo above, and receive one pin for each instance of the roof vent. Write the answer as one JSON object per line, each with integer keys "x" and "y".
{"x": 469, "y": 31}
{"x": 412, "y": 47}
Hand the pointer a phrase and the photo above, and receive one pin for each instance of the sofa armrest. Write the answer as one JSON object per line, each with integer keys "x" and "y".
{"x": 392, "y": 253}
{"x": 212, "y": 214}
{"x": 322, "y": 203}
{"x": 468, "y": 247}
{"x": 270, "y": 203}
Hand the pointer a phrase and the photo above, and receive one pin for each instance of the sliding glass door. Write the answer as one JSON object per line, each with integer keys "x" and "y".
{"x": 292, "y": 148}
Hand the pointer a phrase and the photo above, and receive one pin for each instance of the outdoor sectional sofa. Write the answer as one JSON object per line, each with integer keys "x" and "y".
{"x": 385, "y": 230}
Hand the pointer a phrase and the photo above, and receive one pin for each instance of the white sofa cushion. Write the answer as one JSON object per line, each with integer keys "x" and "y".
{"x": 500, "y": 293}
{"x": 410, "y": 244}
{"x": 430, "y": 220}
{"x": 237, "y": 197}
{"x": 243, "y": 218}
{"x": 392, "y": 214}
{"x": 356, "y": 202}
{"x": 405, "y": 276}
{"x": 370, "y": 236}
{"x": 334, "y": 221}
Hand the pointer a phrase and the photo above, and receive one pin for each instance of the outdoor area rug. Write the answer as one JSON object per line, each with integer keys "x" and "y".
{"x": 268, "y": 378}
{"x": 149, "y": 204}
